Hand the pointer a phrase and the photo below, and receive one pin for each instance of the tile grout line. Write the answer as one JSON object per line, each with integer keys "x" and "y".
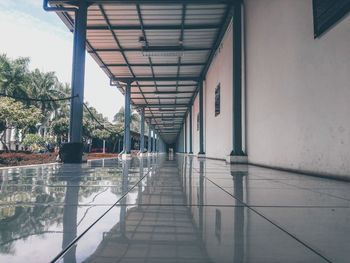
{"x": 75, "y": 240}
{"x": 273, "y": 223}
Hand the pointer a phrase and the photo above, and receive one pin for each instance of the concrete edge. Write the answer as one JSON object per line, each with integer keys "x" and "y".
{"x": 304, "y": 172}
{"x": 109, "y": 158}
{"x": 289, "y": 170}
{"x": 237, "y": 159}
{"x": 29, "y": 165}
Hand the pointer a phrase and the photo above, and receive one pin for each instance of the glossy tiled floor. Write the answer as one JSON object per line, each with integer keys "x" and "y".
{"x": 171, "y": 209}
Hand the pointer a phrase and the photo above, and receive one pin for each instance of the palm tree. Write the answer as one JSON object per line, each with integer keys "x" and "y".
{"x": 63, "y": 110}
{"x": 134, "y": 118}
{"x": 44, "y": 86}
{"x": 14, "y": 76}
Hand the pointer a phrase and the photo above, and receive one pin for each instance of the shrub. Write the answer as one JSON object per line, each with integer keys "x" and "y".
{"x": 35, "y": 141}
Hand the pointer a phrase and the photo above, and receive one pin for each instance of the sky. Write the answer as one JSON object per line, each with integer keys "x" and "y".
{"x": 26, "y": 30}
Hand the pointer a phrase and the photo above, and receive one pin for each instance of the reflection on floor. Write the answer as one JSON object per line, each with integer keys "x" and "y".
{"x": 176, "y": 209}
{"x": 159, "y": 229}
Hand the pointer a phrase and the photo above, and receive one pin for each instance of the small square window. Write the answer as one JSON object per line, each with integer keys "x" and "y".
{"x": 218, "y": 224}
{"x": 198, "y": 122}
{"x": 217, "y": 100}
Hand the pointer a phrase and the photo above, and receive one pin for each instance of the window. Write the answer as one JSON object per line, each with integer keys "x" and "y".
{"x": 198, "y": 121}
{"x": 218, "y": 224}
{"x": 217, "y": 100}
{"x": 327, "y": 13}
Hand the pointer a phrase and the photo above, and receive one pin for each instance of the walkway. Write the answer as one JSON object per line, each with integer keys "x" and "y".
{"x": 176, "y": 209}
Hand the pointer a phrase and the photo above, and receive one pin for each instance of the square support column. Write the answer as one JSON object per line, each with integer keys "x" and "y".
{"x": 201, "y": 120}
{"x": 153, "y": 141}
{"x": 127, "y": 120}
{"x": 149, "y": 137}
{"x": 191, "y": 151}
{"x": 185, "y": 150}
{"x": 237, "y": 82}
{"x": 142, "y": 139}
{"x": 157, "y": 143}
{"x": 72, "y": 152}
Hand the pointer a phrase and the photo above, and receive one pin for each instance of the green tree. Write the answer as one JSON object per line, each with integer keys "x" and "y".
{"x": 15, "y": 115}
{"x": 95, "y": 113}
{"x": 60, "y": 128}
{"x": 14, "y": 76}
{"x": 35, "y": 141}
{"x": 111, "y": 133}
{"x": 13, "y": 82}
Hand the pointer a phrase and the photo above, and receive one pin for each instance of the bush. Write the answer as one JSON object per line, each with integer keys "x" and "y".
{"x": 35, "y": 141}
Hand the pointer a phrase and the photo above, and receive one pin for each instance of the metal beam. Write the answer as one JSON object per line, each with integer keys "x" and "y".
{"x": 168, "y": 117}
{"x": 119, "y": 45}
{"x": 156, "y": 27}
{"x": 180, "y": 41}
{"x": 128, "y": 80}
{"x": 163, "y": 92}
{"x": 154, "y": 64}
{"x": 145, "y": 37}
{"x": 224, "y": 24}
{"x": 161, "y": 2}
{"x": 165, "y": 98}
{"x": 162, "y": 105}
{"x": 157, "y": 49}
{"x": 165, "y": 85}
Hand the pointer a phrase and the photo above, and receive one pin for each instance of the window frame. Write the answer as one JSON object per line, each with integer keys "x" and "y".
{"x": 217, "y": 100}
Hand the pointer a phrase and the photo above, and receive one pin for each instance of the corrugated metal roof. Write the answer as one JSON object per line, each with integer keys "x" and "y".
{"x": 179, "y": 40}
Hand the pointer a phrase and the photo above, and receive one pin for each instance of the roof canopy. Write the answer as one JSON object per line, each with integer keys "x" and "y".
{"x": 163, "y": 48}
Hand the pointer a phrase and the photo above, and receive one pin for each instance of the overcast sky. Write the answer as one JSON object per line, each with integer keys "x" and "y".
{"x": 27, "y": 30}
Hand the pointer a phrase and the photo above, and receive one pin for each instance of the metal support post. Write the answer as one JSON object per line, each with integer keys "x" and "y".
{"x": 78, "y": 74}
{"x": 201, "y": 124}
{"x": 149, "y": 137}
{"x": 154, "y": 142}
{"x": 127, "y": 120}
{"x": 191, "y": 152}
{"x": 72, "y": 152}
{"x": 186, "y": 134}
{"x": 142, "y": 142}
{"x": 237, "y": 82}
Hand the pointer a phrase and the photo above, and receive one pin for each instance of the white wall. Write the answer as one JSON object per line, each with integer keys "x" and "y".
{"x": 218, "y": 130}
{"x": 298, "y": 94}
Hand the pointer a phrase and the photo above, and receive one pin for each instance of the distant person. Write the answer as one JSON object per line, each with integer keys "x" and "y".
{"x": 50, "y": 148}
